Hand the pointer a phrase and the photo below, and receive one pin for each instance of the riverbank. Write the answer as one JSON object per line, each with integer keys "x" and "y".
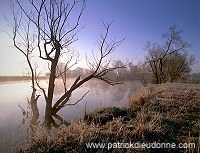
{"x": 17, "y": 79}
{"x": 168, "y": 114}
{"x": 13, "y": 79}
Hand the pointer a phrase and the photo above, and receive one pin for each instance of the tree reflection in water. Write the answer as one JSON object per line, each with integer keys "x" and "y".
{"x": 100, "y": 95}
{"x": 31, "y": 114}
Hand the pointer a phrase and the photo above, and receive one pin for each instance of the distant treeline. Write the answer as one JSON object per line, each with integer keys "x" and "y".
{"x": 140, "y": 72}
{"x": 14, "y": 78}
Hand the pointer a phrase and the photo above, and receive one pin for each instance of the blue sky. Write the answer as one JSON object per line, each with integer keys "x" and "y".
{"x": 138, "y": 21}
{"x": 143, "y": 20}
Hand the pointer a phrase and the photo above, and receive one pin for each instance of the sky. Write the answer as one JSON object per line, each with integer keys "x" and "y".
{"x": 138, "y": 21}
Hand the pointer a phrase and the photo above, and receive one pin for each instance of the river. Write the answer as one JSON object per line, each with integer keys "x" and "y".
{"x": 13, "y": 98}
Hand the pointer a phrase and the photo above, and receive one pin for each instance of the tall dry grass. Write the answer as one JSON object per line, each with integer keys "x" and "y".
{"x": 168, "y": 113}
{"x": 178, "y": 106}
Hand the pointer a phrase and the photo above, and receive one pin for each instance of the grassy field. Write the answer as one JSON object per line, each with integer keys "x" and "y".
{"x": 167, "y": 113}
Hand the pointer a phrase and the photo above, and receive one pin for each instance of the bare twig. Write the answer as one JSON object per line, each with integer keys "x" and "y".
{"x": 77, "y": 100}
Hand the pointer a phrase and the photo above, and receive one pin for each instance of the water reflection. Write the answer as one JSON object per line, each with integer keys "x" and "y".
{"x": 12, "y": 95}
{"x": 100, "y": 95}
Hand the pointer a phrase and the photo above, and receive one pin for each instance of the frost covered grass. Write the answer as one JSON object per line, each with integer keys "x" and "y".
{"x": 158, "y": 113}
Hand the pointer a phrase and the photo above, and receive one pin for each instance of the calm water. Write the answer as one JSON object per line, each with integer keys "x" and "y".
{"x": 11, "y": 95}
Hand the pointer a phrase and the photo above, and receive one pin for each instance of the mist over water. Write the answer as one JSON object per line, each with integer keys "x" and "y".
{"x": 12, "y": 122}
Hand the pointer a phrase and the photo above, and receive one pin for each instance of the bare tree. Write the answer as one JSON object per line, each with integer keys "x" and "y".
{"x": 121, "y": 74}
{"x": 143, "y": 73}
{"x": 24, "y": 41}
{"x": 177, "y": 65}
{"x": 63, "y": 68}
{"x": 157, "y": 53}
{"x": 98, "y": 70}
{"x": 55, "y": 33}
